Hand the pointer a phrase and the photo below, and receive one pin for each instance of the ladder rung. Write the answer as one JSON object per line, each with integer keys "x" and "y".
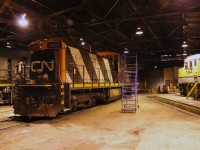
{"x": 129, "y": 107}
{"x": 128, "y": 110}
{"x": 128, "y": 99}
{"x": 129, "y": 87}
{"x": 127, "y": 96}
{"x": 130, "y": 71}
{"x": 128, "y": 102}
{"x": 124, "y": 104}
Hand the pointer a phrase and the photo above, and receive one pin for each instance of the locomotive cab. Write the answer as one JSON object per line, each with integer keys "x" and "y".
{"x": 189, "y": 75}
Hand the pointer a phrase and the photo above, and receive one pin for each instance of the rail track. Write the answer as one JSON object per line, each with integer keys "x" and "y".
{"x": 176, "y": 104}
{"x": 11, "y": 123}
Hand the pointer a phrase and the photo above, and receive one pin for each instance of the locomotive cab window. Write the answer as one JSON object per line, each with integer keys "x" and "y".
{"x": 190, "y": 64}
{"x": 186, "y": 65}
{"x": 195, "y": 62}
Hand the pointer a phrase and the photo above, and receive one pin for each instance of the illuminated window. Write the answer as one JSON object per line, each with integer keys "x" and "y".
{"x": 195, "y": 62}
{"x": 186, "y": 65}
{"x": 190, "y": 64}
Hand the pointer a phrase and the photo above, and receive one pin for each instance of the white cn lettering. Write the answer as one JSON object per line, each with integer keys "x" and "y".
{"x": 48, "y": 65}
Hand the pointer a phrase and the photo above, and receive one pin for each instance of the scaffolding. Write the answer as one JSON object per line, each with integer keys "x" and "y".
{"x": 129, "y": 84}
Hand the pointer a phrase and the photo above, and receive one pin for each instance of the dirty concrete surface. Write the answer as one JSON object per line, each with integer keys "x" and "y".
{"x": 153, "y": 127}
{"x": 6, "y": 111}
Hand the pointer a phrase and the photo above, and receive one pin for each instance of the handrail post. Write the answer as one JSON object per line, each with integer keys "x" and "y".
{"x": 83, "y": 77}
{"x": 92, "y": 78}
{"x": 73, "y": 75}
{"x": 99, "y": 78}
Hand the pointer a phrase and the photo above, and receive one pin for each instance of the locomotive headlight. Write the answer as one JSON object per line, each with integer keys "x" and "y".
{"x": 46, "y": 77}
{"x": 6, "y": 89}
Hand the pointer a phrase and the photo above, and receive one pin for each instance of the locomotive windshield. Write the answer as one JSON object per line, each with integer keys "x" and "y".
{"x": 43, "y": 69}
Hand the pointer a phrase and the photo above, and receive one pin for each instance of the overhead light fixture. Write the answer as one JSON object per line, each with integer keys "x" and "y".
{"x": 8, "y": 45}
{"x": 22, "y": 21}
{"x": 82, "y": 43}
{"x": 184, "y": 44}
{"x": 126, "y": 51}
{"x": 184, "y": 53}
{"x": 139, "y": 31}
{"x": 85, "y": 45}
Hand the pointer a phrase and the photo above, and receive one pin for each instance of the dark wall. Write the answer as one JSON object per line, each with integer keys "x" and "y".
{"x": 155, "y": 78}
{"x": 13, "y": 53}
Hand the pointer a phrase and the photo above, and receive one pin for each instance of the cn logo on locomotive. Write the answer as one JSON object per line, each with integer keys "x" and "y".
{"x": 41, "y": 64}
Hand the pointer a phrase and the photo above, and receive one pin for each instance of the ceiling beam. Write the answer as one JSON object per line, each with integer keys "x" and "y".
{"x": 20, "y": 8}
{"x": 161, "y": 38}
{"x": 133, "y": 5}
{"x": 136, "y": 18}
{"x": 72, "y": 9}
{"x": 4, "y": 4}
{"x": 105, "y": 37}
{"x": 117, "y": 1}
{"x": 173, "y": 31}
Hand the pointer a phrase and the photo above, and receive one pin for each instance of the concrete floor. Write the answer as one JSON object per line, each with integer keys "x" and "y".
{"x": 6, "y": 111}
{"x": 153, "y": 127}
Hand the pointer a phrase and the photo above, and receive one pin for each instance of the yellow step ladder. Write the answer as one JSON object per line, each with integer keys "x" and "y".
{"x": 192, "y": 89}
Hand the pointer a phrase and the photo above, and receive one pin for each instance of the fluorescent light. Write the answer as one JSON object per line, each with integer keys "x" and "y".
{"x": 184, "y": 53}
{"x": 184, "y": 44}
{"x": 139, "y": 31}
{"x": 82, "y": 43}
{"x": 126, "y": 52}
{"x": 178, "y": 55}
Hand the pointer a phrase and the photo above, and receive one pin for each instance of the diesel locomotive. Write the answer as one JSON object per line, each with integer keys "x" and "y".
{"x": 189, "y": 77}
{"x": 8, "y": 60}
{"x": 60, "y": 78}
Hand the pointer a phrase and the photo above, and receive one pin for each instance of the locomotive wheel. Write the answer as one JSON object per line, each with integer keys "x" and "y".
{"x": 74, "y": 105}
{"x": 92, "y": 102}
{"x": 1, "y": 96}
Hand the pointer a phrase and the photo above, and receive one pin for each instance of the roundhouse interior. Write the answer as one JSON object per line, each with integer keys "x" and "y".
{"x": 69, "y": 59}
